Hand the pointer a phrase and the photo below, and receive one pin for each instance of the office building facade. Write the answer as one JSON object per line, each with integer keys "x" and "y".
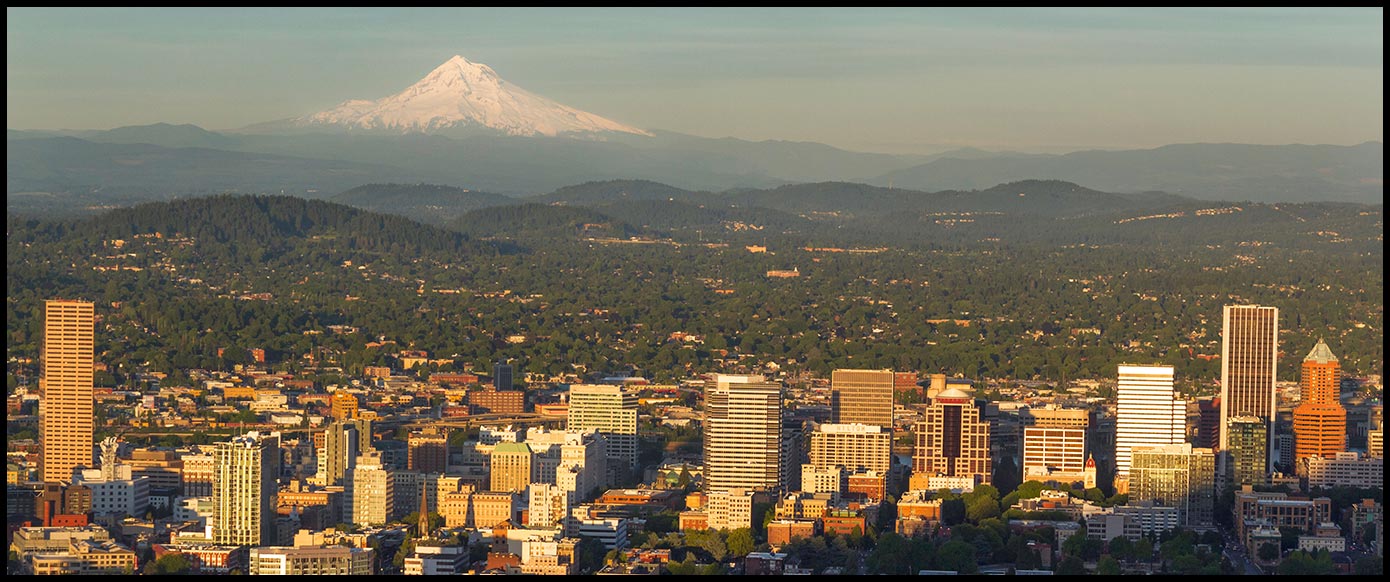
{"x": 862, "y": 397}
{"x": 1249, "y": 358}
{"x": 1319, "y": 420}
{"x": 65, "y": 388}
{"x": 743, "y": 435}
{"x": 1147, "y": 412}
{"x": 244, "y": 487}
{"x": 952, "y": 440}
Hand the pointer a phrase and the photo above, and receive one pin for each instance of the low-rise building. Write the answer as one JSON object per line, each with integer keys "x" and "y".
{"x": 333, "y": 560}
{"x": 1348, "y": 469}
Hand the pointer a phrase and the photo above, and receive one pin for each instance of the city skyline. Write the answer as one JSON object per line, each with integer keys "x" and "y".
{"x": 882, "y": 80}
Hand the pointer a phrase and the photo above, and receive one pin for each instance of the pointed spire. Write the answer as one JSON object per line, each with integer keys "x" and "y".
{"x": 1320, "y": 353}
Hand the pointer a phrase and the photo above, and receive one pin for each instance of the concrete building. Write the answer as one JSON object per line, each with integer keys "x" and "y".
{"x": 730, "y": 509}
{"x": 1176, "y": 476}
{"x": 343, "y": 405}
{"x": 343, "y": 442}
{"x": 831, "y": 480}
{"x": 1319, "y": 420}
{"x": 862, "y": 397}
{"x": 65, "y": 388}
{"x": 611, "y": 410}
{"x": 856, "y": 447}
{"x": 511, "y": 467}
{"x": 428, "y": 451}
{"x": 86, "y": 557}
{"x": 952, "y": 439}
{"x": 1347, "y": 469}
{"x": 548, "y": 505}
{"x": 743, "y": 435}
{"x": 1056, "y": 454}
{"x": 244, "y": 488}
{"x": 371, "y": 491}
{"x": 1146, "y": 414}
{"x": 117, "y": 492}
{"x": 437, "y": 561}
{"x": 326, "y": 561}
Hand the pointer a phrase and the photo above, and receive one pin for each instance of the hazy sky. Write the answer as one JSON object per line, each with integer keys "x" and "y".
{"x": 893, "y": 80}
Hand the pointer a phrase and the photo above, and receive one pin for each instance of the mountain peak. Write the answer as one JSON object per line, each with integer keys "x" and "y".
{"x": 464, "y": 95}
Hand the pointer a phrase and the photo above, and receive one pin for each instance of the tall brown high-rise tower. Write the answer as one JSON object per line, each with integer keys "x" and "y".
{"x": 65, "y": 387}
{"x": 1319, "y": 421}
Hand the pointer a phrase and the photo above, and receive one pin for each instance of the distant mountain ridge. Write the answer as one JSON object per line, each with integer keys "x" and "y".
{"x": 1281, "y": 173}
{"x": 197, "y": 162}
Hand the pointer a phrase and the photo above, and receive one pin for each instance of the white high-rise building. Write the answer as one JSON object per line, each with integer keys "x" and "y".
{"x": 371, "y": 491}
{"x": 1147, "y": 414}
{"x": 743, "y": 435}
{"x": 245, "y": 484}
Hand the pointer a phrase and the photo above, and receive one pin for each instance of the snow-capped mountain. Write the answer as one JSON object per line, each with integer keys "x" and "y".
{"x": 462, "y": 95}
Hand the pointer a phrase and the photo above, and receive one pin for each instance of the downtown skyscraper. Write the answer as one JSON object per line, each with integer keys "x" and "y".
{"x": 65, "y": 388}
{"x": 1249, "y": 356}
{"x": 1147, "y": 414}
{"x": 952, "y": 440}
{"x": 743, "y": 435}
{"x": 611, "y": 410}
{"x": 246, "y": 477}
{"x": 1319, "y": 420}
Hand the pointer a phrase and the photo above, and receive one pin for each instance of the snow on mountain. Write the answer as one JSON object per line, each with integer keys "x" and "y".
{"x": 463, "y": 94}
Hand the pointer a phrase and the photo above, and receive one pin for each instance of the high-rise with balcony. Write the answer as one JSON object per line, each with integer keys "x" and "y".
{"x": 743, "y": 435}
{"x": 862, "y": 397}
{"x": 1147, "y": 413}
{"x": 1249, "y": 356}
{"x": 244, "y": 488}
{"x": 65, "y": 388}
{"x": 371, "y": 490}
{"x": 611, "y": 410}
{"x": 1319, "y": 420}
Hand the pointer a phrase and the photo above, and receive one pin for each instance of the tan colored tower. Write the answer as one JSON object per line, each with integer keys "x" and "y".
{"x": 862, "y": 397}
{"x": 952, "y": 440}
{"x": 1319, "y": 421}
{"x": 65, "y": 388}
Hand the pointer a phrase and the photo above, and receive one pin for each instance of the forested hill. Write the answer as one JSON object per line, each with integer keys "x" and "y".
{"x": 543, "y": 221}
{"x": 613, "y": 191}
{"x": 269, "y": 224}
{"x": 428, "y": 203}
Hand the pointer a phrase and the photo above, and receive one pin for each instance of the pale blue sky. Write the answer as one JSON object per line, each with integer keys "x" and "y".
{"x": 895, "y": 80}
